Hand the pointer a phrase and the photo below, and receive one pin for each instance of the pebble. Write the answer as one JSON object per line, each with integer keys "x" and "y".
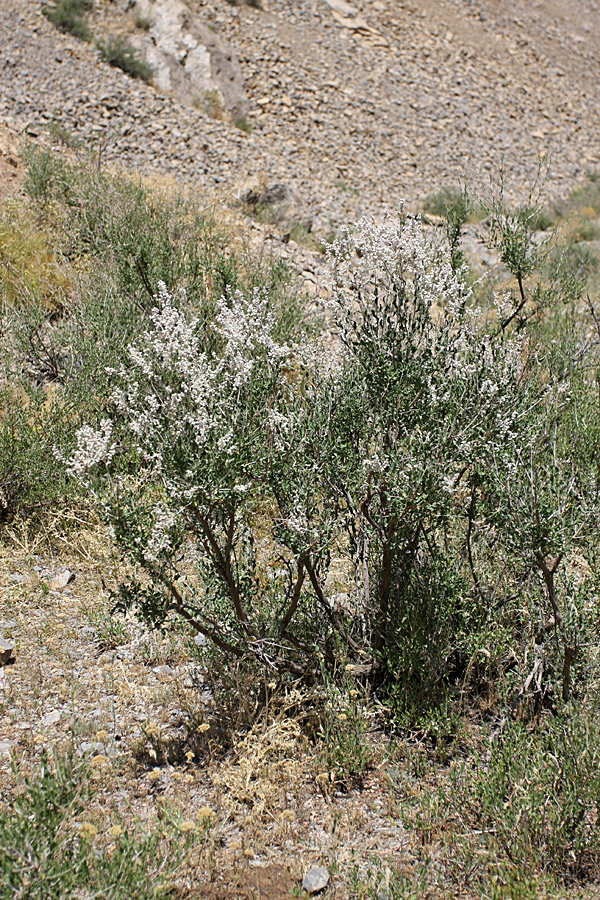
{"x": 315, "y": 880}
{"x": 51, "y": 718}
{"x": 60, "y": 579}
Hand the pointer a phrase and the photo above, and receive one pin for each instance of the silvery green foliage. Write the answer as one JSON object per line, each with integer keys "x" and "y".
{"x": 236, "y": 463}
{"x": 428, "y": 394}
{"x": 216, "y": 437}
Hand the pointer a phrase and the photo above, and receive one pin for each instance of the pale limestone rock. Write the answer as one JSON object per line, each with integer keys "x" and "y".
{"x": 315, "y": 880}
{"x": 189, "y": 59}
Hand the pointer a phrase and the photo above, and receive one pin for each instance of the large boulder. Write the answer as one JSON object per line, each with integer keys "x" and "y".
{"x": 189, "y": 59}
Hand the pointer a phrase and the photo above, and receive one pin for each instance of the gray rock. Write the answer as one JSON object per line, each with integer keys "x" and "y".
{"x": 6, "y": 747}
{"x": 93, "y": 747}
{"x": 8, "y": 625}
{"x": 315, "y": 880}
{"x": 277, "y": 203}
{"x": 17, "y": 578}
{"x": 60, "y": 579}
{"x": 51, "y": 718}
{"x": 163, "y": 670}
{"x": 473, "y": 244}
{"x": 190, "y": 59}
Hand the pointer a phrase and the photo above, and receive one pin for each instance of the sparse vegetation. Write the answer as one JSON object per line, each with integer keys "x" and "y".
{"x": 69, "y": 16}
{"x": 211, "y": 103}
{"x": 243, "y": 124}
{"x": 118, "y": 52}
{"x": 142, "y": 22}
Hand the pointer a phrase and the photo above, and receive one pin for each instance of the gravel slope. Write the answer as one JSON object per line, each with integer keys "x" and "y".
{"x": 353, "y": 111}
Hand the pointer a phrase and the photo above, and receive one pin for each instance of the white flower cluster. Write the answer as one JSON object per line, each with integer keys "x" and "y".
{"x": 93, "y": 447}
{"x": 160, "y": 538}
{"x": 173, "y": 389}
{"x": 179, "y": 381}
{"x": 247, "y": 326}
{"x": 389, "y": 270}
{"x": 179, "y": 401}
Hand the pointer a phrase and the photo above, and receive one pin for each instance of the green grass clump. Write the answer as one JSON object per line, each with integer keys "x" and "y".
{"x": 119, "y": 53}
{"x": 50, "y": 850}
{"x": 68, "y": 16}
{"x": 32, "y": 480}
{"x": 243, "y": 124}
{"x": 441, "y": 202}
{"x": 531, "y": 801}
{"x": 587, "y": 196}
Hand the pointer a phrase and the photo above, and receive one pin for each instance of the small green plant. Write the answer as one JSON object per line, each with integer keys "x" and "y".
{"x": 68, "y": 16}
{"x": 243, "y": 124}
{"x": 587, "y": 230}
{"x": 48, "y": 175}
{"x": 30, "y": 271}
{"x": 446, "y": 199}
{"x": 30, "y": 476}
{"x": 142, "y": 22}
{"x": 59, "y": 131}
{"x": 110, "y": 630}
{"x": 347, "y": 188}
{"x": 543, "y": 218}
{"x": 455, "y": 206}
{"x": 256, "y": 4}
{"x": 344, "y": 754}
{"x": 535, "y": 797}
{"x": 586, "y": 196}
{"x": 119, "y": 53}
{"x": 379, "y": 882}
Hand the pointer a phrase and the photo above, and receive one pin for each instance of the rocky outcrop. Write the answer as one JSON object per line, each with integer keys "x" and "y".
{"x": 189, "y": 59}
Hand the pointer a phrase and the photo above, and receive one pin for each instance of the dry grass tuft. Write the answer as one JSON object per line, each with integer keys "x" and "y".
{"x": 30, "y": 272}
{"x": 266, "y": 768}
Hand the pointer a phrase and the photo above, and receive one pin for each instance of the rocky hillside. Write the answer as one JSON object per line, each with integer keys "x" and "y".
{"x": 351, "y": 106}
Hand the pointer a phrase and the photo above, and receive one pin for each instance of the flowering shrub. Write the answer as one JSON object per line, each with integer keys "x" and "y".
{"x": 209, "y": 432}
{"x": 236, "y": 464}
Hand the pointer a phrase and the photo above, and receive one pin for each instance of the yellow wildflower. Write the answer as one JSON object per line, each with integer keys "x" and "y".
{"x": 86, "y": 829}
{"x": 99, "y": 760}
{"x": 205, "y": 812}
{"x": 152, "y": 729}
{"x": 115, "y": 831}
